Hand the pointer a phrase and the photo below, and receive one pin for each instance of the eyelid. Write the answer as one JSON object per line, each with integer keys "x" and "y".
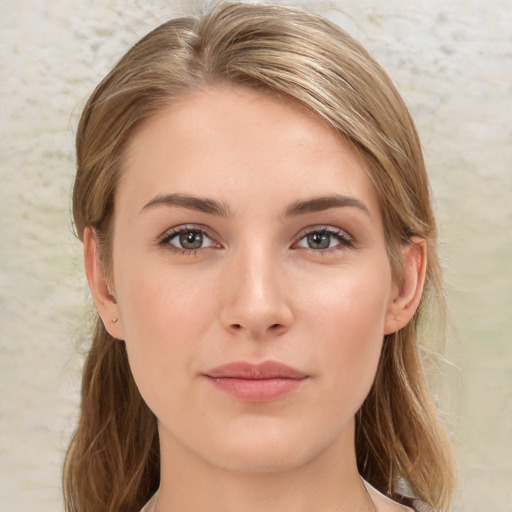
{"x": 346, "y": 239}
{"x": 169, "y": 234}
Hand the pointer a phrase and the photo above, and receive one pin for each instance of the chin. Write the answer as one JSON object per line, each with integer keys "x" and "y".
{"x": 264, "y": 457}
{"x": 266, "y": 447}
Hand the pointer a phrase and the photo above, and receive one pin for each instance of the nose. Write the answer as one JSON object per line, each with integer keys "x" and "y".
{"x": 255, "y": 300}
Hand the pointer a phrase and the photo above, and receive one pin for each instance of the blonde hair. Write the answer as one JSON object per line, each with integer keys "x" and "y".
{"x": 113, "y": 459}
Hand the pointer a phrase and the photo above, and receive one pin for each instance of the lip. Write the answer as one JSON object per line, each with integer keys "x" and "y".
{"x": 257, "y": 383}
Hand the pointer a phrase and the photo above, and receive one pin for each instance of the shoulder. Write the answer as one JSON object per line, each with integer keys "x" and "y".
{"x": 386, "y": 504}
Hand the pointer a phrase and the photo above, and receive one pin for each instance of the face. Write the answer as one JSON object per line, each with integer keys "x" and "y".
{"x": 251, "y": 278}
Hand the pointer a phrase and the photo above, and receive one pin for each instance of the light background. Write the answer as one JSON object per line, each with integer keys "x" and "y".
{"x": 452, "y": 61}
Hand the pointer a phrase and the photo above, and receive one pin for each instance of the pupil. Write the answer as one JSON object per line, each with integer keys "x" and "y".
{"x": 191, "y": 240}
{"x": 318, "y": 241}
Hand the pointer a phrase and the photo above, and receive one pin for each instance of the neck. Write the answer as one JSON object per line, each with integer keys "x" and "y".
{"x": 328, "y": 483}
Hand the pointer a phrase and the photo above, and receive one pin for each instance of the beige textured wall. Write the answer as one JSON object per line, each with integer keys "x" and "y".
{"x": 452, "y": 60}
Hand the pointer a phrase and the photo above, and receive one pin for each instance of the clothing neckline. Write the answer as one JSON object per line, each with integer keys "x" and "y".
{"x": 374, "y": 493}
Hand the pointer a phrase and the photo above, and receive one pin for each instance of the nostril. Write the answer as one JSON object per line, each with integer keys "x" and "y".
{"x": 274, "y": 327}
{"x": 237, "y": 326}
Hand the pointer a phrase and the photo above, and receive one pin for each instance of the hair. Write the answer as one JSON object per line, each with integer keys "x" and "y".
{"x": 113, "y": 460}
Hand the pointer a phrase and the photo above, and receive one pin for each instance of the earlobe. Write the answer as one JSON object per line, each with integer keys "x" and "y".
{"x": 407, "y": 297}
{"x": 103, "y": 297}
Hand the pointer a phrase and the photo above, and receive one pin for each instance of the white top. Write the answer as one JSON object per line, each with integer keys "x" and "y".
{"x": 150, "y": 505}
{"x": 383, "y": 503}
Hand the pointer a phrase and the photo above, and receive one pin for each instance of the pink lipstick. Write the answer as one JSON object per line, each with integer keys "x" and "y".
{"x": 257, "y": 383}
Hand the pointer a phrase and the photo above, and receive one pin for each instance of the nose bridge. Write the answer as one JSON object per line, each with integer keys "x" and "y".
{"x": 256, "y": 298}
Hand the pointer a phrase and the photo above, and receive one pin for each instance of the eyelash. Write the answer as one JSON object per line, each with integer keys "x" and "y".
{"x": 165, "y": 240}
{"x": 344, "y": 239}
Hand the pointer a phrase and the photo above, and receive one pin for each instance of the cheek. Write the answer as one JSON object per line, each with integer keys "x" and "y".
{"x": 158, "y": 303}
{"x": 347, "y": 316}
{"x": 164, "y": 318}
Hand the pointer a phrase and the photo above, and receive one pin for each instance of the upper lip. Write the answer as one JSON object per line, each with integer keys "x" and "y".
{"x": 258, "y": 371}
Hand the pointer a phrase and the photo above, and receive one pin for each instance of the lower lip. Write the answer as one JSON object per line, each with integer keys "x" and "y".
{"x": 256, "y": 390}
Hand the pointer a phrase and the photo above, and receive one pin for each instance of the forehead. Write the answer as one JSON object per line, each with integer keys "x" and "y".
{"x": 236, "y": 144}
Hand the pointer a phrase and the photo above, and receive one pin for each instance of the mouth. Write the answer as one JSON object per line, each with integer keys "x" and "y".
{"x": 256, "y": 383}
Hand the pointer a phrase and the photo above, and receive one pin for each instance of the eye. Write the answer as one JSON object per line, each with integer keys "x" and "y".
{"x": 186, "y": 239}
{"x": 325, "y": 239}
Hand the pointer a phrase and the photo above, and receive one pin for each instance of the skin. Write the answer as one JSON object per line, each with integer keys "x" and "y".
{"x": 257, "y": 289}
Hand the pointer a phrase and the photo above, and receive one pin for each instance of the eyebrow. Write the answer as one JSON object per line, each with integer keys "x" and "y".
{"x": 199, "y": 204}
{"x": 318, "y": 204}
{"x": 212, "y": 207}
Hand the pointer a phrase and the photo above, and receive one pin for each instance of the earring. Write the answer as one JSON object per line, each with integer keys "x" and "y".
{"x": 114, "y": 320}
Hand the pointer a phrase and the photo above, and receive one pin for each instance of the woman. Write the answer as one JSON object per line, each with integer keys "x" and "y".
{"x": 260, "y": 246}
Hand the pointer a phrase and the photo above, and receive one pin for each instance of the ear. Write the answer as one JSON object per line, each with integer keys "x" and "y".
{"x": 407, "y": 295}
{"x": 103, "y": 298}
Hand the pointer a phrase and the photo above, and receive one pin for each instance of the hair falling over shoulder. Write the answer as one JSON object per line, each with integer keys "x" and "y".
{"x": 113, "y": 461}
{"x": 112, "y": 464}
